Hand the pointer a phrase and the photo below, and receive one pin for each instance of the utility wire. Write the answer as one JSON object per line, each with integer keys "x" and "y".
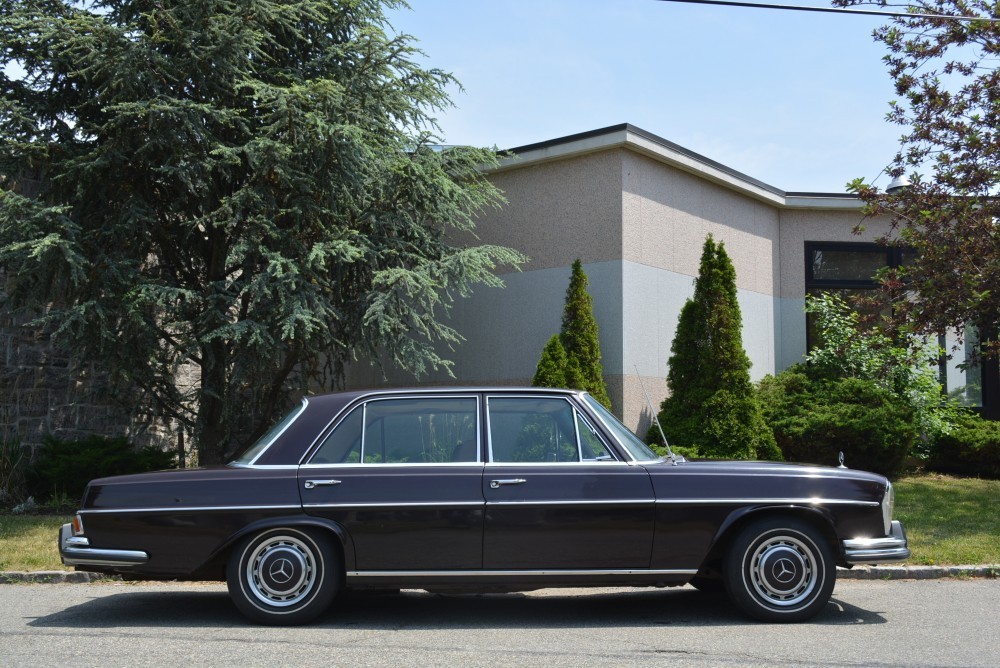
{"x": 836, "y": 10}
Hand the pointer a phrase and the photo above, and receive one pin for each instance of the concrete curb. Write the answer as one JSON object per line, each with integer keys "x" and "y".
{"x": 917, "y": 572}
{"x": 858, "y": 573}
{"x": 52, "y": 577}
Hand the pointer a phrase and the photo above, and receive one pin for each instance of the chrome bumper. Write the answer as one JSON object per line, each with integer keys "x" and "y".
{"x": 878, "y": 550}
{"x": 76, "y": 551}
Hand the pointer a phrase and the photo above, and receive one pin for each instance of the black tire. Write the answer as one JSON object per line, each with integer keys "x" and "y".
{"x": 780, "y": 569}
{"x": 284, "y": 576}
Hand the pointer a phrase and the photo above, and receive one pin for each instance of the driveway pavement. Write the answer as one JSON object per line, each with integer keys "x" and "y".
{"x": 949, "y": 622}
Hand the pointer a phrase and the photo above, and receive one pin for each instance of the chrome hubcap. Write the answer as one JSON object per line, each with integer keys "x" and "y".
{"x": 281, "y": 571}
{"x": 783, "y": 571}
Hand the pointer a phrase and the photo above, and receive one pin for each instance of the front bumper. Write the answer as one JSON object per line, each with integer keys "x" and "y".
{"x": 76, "y": 551}
{"x": 889, "y": 549}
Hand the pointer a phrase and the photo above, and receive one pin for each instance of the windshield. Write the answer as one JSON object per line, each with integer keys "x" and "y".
{"x": 636, "y": 448}
{"x": 251, "y": 453}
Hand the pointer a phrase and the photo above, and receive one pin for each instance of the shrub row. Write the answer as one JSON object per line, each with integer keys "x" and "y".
{"x": 60, "y": 470}
{"x": 815, "y": 416}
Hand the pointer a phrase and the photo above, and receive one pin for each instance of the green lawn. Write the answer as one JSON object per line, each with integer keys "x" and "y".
{"x": 28, "y": 542}
{"x": 948, "y": 521}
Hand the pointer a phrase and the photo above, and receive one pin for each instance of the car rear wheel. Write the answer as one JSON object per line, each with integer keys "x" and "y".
{"x": 780, "y": 570}
{"x": 283, "y": 576}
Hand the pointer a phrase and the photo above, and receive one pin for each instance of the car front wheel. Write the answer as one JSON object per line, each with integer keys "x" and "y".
{"x": 780, "y": 570}
{"x": 283, "y": 576}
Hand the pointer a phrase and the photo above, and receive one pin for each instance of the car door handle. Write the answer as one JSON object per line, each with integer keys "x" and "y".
{"x": 311, "y": 484}
{"x": 497, "y": 484}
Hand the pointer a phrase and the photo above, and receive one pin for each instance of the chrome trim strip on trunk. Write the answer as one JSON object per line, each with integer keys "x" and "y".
{"x": 76, "y": 551}
{"x": 185, "y": 509}
{"x": 515, "y": 573}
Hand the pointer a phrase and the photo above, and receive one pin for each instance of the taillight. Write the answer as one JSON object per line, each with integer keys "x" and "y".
{"x": 77, "y": 525}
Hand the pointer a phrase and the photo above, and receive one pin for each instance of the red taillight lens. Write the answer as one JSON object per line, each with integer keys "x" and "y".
{"x": 77, "y": 525}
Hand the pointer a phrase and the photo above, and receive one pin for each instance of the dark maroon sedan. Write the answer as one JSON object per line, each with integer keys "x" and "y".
{"x": 496, "y": 489}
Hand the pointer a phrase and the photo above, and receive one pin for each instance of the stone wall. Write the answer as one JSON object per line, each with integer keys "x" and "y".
{"x": 44, "y": 391}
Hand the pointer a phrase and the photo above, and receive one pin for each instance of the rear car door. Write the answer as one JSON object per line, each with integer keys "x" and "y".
{"x": 402, "y": 474}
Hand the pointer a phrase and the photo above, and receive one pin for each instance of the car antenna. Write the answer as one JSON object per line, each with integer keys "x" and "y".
{"x": 656, "y": 418}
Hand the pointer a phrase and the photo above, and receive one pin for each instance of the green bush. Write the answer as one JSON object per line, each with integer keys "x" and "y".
{"x": 814, "y": 419}
{"x": 971, "y": 448}
{"x": 13, "y": 464}
{"x": 62, "y": 469}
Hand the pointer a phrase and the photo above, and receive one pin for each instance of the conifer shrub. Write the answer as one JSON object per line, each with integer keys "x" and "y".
{"x": 712, "y": 406}
{"x": 815, "y": 417}
{"x": 63, "y": 468}
{"x": 551, "y": 369}
{"x": 572, "y": 359}
{"x": 971, "y": 448}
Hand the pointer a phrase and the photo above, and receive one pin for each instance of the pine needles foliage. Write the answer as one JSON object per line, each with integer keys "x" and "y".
{"x": 551, "y": 370}
{"x": 712, "y": 404}
{"x": 248, "y": 191}
{"x": 575, "y": 362}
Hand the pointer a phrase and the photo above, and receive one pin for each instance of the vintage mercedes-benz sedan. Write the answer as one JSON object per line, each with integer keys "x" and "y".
{"x": 482, "y": 489}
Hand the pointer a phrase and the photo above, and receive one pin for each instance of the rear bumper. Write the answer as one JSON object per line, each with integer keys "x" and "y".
{"x": 76, "y": 551}
{"x": 889, "y": 549}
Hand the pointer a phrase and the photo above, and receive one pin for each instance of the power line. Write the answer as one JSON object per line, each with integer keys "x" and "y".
{"x": 835, "y": 10}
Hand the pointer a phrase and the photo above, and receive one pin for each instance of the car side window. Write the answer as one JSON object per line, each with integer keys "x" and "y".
{"x": 343, "y": 445}
{"x": 532, "y": 429}
{"x": 420, "y": 431}
{"x": 435, "y": 430}
{"x": 592, "y": 448}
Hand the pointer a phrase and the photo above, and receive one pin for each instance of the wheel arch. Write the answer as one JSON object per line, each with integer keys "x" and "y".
{"x": 818, "y": 517}
{"x": 216, "y": 564}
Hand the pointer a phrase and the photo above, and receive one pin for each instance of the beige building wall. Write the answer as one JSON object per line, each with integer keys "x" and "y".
{"x": 636, "y": 210}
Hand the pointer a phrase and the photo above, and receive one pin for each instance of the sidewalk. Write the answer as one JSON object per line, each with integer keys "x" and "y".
{"x": 858, "y": 573}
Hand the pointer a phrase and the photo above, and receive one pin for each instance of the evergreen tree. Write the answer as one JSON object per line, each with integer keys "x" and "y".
{"x": 579, "y": 338}
{"x": 246, "y": 190}
{"x": 551, "y": 370}
{"x": 712, "y": 404}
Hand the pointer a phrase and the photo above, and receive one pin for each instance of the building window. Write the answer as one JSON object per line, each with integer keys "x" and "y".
{"x": 850, "y": 269}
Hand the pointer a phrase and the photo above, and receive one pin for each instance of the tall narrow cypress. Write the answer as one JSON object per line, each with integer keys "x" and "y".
{"x": 712, "y": 404}
{"x": 573, "y": 359}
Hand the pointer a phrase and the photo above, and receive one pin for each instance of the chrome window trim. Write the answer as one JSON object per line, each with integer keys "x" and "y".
{"x": 364, "y": 400}
{"x": 586, "y": 462}
{"x": 302, "y": 409}
{"x": 513, "y": 573}
{"x": 352, "y": 465}
{"x": 175, "y": 509}
{"x": 769, "y": 501}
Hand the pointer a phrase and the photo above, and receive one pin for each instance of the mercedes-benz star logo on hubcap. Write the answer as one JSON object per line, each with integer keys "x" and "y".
{"x": 783, "y": 571}
{"x": 281, "y": 571}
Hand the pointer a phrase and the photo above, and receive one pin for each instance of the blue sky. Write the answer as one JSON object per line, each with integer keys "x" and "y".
{"x": 797, "y": 100}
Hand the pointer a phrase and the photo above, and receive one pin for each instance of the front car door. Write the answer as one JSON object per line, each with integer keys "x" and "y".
{"x": 557, "y": 496}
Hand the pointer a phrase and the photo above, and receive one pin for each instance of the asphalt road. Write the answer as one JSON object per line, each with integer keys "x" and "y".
{"x": 868, "y": 623}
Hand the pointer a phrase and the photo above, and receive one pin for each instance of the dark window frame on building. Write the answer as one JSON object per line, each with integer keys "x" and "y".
{"x": 893, "y": 257}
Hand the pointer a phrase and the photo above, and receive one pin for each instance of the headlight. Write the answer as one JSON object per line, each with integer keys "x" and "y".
{"x": 888, "y": 501}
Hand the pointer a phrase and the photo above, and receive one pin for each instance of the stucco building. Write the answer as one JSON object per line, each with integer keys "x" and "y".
{"x": 636, "y": 208}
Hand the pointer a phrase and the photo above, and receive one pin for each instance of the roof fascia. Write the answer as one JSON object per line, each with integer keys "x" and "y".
{"x": 635, "y": 139}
